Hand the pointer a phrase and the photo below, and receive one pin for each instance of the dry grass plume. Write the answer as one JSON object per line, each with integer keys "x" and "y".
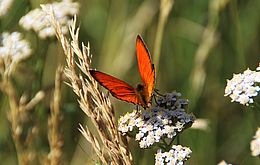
{"x": 108, "y": 145}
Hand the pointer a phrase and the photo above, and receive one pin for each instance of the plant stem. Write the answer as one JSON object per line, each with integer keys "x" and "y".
{"x": 257, "y": 105}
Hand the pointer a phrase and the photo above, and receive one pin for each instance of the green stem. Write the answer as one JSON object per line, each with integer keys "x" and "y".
{"x": 162, "y": 146}
{"x": 178, "y": 139}
{"x": 164, "y": 142}
{"x": 257, "y": 105}
{"x": 172, "y": 141}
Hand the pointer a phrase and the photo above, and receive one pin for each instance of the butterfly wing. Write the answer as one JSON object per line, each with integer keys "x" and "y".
{"x": 118, "y": 88}
{"x": 146, "y": 68}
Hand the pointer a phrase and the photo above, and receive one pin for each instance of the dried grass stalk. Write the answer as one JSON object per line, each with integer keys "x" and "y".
{"x": 209, "y": 40}
{"x": 110, "y": 148}
{"x": 18, "y": 115}
{"x": 54, "y": 134}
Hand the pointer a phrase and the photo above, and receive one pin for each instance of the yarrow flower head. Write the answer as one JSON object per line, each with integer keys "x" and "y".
{"x": 255, "y": 144}
{"x": 201, "y": 124}
{"x": 13, "y": 44}
{"x": 223, "y": 162}
{"x": 243, "y": 86}
{"x": 165, "y": 120}
{"x": 38, "y": 21}
{"x": 176, "y": 156}
{"x": 13, "y": 48}
{"x": 5, "y": 6}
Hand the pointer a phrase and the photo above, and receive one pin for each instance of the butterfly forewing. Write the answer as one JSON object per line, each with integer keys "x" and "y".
{"x": 146, "y": 68}
{"x": 118, "y": 88}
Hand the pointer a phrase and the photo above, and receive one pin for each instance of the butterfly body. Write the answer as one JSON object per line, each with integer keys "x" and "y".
{"x": 140, "y": 95}
{"x": 144, "y": 99}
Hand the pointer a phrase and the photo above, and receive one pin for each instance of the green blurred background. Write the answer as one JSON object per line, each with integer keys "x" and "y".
{"x": 111, "y": 28}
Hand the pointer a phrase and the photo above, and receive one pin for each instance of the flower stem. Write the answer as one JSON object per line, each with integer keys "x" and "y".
{"x": 257, "y": 105}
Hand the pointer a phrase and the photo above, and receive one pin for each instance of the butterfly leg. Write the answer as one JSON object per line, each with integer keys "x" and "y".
{"x": 156, "y": 92}
{"x": 107, "y": 94}
{"x": 155, "y": 100}
{"x": 137, "y": 107}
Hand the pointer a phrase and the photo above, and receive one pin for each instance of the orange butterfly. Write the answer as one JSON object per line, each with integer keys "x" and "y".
{"x": 140, "y": 95}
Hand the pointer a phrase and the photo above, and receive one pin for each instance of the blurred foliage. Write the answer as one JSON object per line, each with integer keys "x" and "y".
{"x": 111, "y": 28}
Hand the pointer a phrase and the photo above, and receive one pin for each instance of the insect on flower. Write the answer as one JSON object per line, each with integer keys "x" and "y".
{"x": 140, "y": 95}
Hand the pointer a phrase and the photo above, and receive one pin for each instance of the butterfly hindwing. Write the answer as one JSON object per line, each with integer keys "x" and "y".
{"x": 146, "y": 67}
{"x": 118, "y": 88}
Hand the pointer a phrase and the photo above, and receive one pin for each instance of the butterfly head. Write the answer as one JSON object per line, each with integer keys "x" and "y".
{"x": 145, "y": 101}
{"x": 140, "y": 88}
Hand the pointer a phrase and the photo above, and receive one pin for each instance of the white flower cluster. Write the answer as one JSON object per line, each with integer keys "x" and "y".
{"x": 255, "y": 144}
{"x": 158, "y": 122}
{"x": 223, "y": 162}
{"x": 38, "y": 21}
{"x": 128, "y": 121}
{"x": 176, "y": 156}
{"x": 12, "y": 45}
{"x": 13, "y": 49}
{"x": 201, "y": 124}
{"x": 5, "y": 6}
{"x": 243, "y": 86}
